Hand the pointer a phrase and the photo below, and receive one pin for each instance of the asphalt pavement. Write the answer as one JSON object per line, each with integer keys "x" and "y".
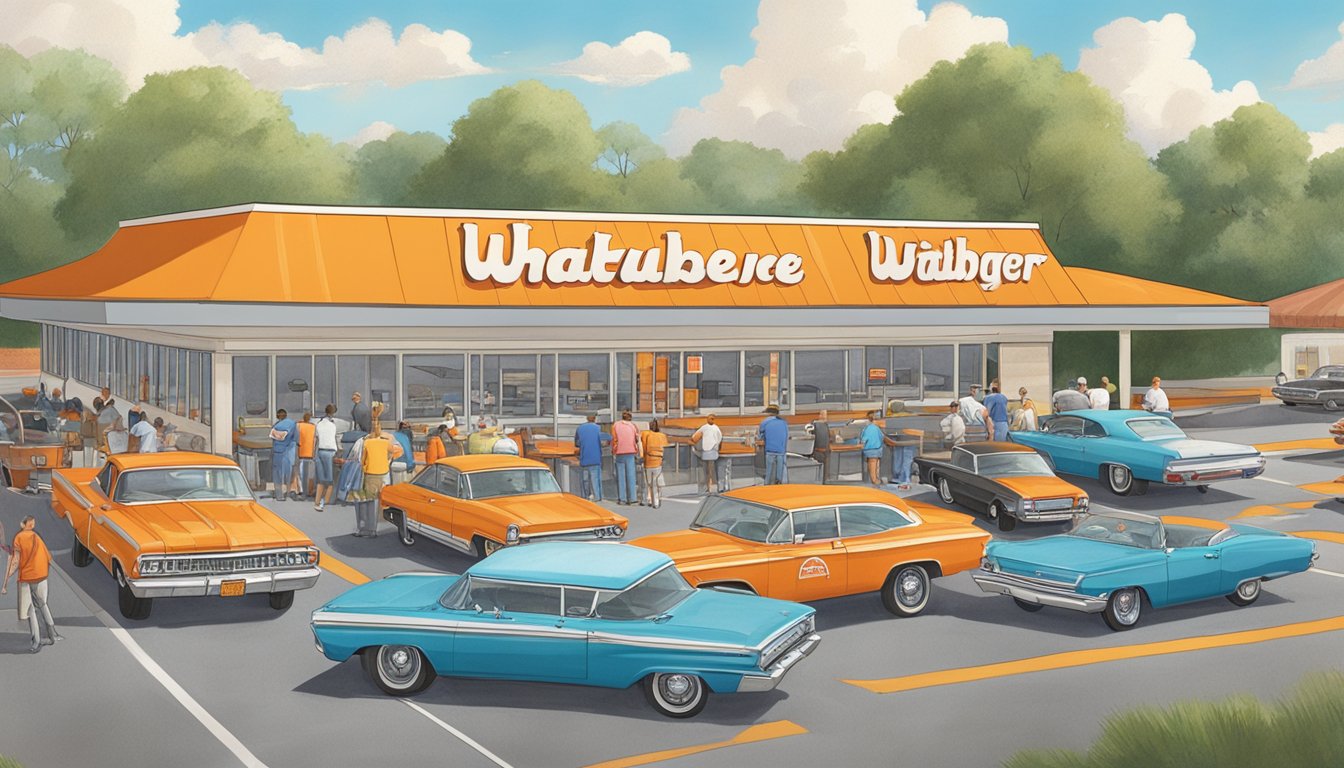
{"x": 229, "y": 681}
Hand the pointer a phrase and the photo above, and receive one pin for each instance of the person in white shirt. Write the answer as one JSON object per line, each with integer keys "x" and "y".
{"x": 954, "y": 429}
{"x": 325, "y": 434}
{"x": 148, "y": 436}
{"x": 1155, "y": 400}
{"x": 1100, "y": 398}
{"x": 972, "y": 410}
{"x": 709, "y": 437}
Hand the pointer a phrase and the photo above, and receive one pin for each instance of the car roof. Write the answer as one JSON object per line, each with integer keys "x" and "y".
{"x": 1137, "y": 517}
{"x": 482, "y": 461}
{"x": 573, "y": 563}
{"x": 126, "y": 461}
{"x": 801, "y": 496}
{"x": 1117, "y": 417}
{"x": 980, "y": 449}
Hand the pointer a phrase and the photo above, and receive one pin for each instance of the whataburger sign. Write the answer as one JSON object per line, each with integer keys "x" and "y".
{"x": 671, "y": 264}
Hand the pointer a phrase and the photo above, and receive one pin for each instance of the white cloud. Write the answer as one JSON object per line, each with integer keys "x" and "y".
{"x": 640, "y": 58}
{"x": 378, "y": 130}
{"x": 1329, "y": 140}
{"x": 816, "y": 77}
{"x": 1325, "y": 71}
{"x": 1146, "y": 66}
{"x": 140, "y": 37}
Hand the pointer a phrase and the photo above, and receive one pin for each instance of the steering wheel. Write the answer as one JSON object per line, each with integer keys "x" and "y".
{"x": 1095, "y": 531}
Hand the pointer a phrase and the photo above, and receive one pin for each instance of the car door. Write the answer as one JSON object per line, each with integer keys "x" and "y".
{"x": 815, "y": 565}
{"x": 966, "y": 483}
{"x": 415, "y": 498}
{"x": 102, "y": 535}
{"x": 1249, "y": 557}
{"x": 870, "y": 548}
{"x": 519, "y": 632}
{"x": 1193, "y": 573}
{"x": 1062, "y": 439}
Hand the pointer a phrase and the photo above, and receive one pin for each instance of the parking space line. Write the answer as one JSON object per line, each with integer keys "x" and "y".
{"x": 1324, "y": 572}
{"x": 464, "y": 738}
{"x": 189, "y": 703}
{"x": 1334, "y": 537}
{"x": 1315, "y": 443}
{"x": 1070, "y": 659}
{"x": 338, "y": 568}
{"x": 761, "y": 732}
{"x": 1272, "y": 480}
{"x": 1327, "y": 488}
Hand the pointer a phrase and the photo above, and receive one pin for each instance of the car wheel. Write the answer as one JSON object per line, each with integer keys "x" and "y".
{"x": 1123, "y": 609}
{"x": 398, "y": 670}
{"x": 945, "y": 491}
{"x": 80, "y": 554}
{"x": 906, "y": 591}
{"x": 676, "y": 694}
{"x": 1202, "y": 488}
{"x": 1028, "y": 607}
{"x": 403, "y": 531}
{"x": 1006, "y": 521}
{"x": 1290, "y": 405}
{"x": 1140, "y": 487}
{"x": 486, "y": 547}
{"x": 9, "y": 480}
{"x": 1119, "y": 479}
{"x": 1332, "y": 405}
{"x": 1247, "y": 592}
{"x": 132, "y": 607}
{"x": 281, "y": 600}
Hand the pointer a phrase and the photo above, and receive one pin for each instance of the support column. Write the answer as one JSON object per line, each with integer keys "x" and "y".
{"x": 1125, "y": 373}
{"x": 221, "y": 409}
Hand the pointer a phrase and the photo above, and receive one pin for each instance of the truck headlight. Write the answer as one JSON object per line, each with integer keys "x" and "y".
{"x": 1026, "y": 505}
{"x": 511, "y": 534}
{"x": 151, "y": 566}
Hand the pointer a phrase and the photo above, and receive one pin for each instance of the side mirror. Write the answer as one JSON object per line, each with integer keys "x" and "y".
{"x": 106, "y": 507}
{"x": 497, "y": 612}
{"x": 477, "y": 607}
{"x": 798, "y": 538}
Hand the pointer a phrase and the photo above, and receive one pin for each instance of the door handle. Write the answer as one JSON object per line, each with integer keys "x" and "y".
{"x": 837, "y": 544}
{"x": 1210, "y": 555}
{"x": 432, "y": 500}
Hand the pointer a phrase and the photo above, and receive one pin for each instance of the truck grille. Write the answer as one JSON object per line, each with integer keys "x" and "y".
{"x": 224, "y": 564}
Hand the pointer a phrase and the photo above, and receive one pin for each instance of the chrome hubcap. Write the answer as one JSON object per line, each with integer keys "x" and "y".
{"x": 1118, "y": 477}
{"x": 677, "y": 689}
{"x": 1127, "y": 606}
{"x": 944, "y": 490}
{"x": 911, "y": 588}
{"x": 1249, "y": 589}
{"x": 399, "y": 664}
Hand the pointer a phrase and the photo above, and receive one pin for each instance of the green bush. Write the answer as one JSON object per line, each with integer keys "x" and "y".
{"x": 1304, "y": 730}
{"x": 1173, "y": 355}
{"x": 17, "y": 334}
{"x": 5, "y": 762}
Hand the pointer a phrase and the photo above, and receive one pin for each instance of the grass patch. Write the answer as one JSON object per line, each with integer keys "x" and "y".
{"x": 1303, "y": 730}
{"x": 18, "y": 334}
{"x": 5, "y": 762}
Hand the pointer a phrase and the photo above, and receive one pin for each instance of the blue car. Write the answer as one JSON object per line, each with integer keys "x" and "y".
{"x": 608, "y": 615}
{"x": 1114, "y": 563}
{"x": 1127, "y": 450}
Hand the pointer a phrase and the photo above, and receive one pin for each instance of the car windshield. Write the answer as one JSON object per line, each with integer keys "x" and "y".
{"x": 1156, "y": 428}
{"x": 648, "y": 599}
{"x": 740, "y": 519}
{"x": 512, "y": 482}
{"x": 1013, "y": 465}
{"x": 181, "y": 484}
{"x": 1131, "y": 532}
{"x": 1329, "y": 372}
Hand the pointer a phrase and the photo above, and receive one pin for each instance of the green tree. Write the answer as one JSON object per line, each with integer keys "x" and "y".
{"x": 626, "y": 148}
{"x": 738, "y": 177}
{"x": 657, "y": 186}
{"x": 384, "y": 169}
{"x": 523, "y": 146}
{"x": 197, "y": 138}
{"x": 1001, "y": 136}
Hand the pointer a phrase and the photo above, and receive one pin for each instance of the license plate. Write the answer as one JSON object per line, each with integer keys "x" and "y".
{"x": 232, "y": 588}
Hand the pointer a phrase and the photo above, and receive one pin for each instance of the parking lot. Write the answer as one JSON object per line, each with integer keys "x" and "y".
{"x": 219, "y": 682}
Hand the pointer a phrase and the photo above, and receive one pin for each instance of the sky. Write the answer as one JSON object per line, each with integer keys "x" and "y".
{"x": 796, "y": 75}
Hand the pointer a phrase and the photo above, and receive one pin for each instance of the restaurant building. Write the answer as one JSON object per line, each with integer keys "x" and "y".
{"x": 542, "y": 318}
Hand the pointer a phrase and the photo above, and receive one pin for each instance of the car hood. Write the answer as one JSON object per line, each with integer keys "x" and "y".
{"x": 1313, "y": 384}
{"x": 554, "y": 511}
{"x": 1040, "y": 487}
{"x": 693, "y": 546}
{"x": 1187, "y": 448}
{"x": 214, "y": 526}
{"x": 711, "y": 616}
{"x": 1065, "y": 558}
{"x": 399, "y": 592}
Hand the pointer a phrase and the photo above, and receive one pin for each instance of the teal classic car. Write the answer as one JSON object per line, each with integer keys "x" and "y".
{"x": 1126, "y": 450}
{"x": 608, "y": 615}
{"x": 1116, "y": 562}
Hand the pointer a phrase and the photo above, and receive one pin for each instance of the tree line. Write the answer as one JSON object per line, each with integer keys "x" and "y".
{"x": 1000, "y": 135}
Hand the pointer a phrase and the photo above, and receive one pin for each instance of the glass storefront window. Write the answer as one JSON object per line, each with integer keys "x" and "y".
{"x": 183, "y": 382}
{"x": 293, "y": 384}
{"x": 907, "y": 370}
{"x": 207, "y": 386}
{"x": 821, "y": 379}
{"x": 712, "y": 382}
{"x": 970, "y": 367}
{"x": 546, "y": 386}
{"x": 324, "y": 384}
{"x": 625, "y": 381}
{"x": 508, "y": 386}
{"x": 766, "y": 379}
{"x": 383, "y": 384}
{"x": 431, "y": 383}
{"x": 992, "y": 362}
{"x": 194, "y": 404}
{"x": 251, "y": 387}
{"x": 352, "y": 375}
{"x": 938, "y": 365}
{"x": 657, "y": 387}
{"x": 585, "y": 381}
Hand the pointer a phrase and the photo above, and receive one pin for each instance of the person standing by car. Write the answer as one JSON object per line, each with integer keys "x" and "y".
{"x": 1026, "y": 415}
{"x": 873, "y": 441}
{"x": 954, "y": 429}
{"x": 652, "y": 444}
{"x": 305, "y": 453}
{"x": 588, "y": 438}
{"x": 146, "y": 436}
{"x": 624, "y": 449}
{"x": 436, "y": 447}
{"x": 821, "y": 441}
{"x": 404, "y": 465}
{"x": 972, "y": 410}
{"x": 1099, "y": 398}
{"x": 1155, "y": 400}
{"x": 32, "y": 560}
{"x": 997, "y": 407}
{"x": 324, "y": 434}
{"x": 708, "y": 438}
{"x": 284, "y": 439}
{"x": 380, "y": 450}
{"x": 360, "y": 413}
{"x": 774, "y": 431}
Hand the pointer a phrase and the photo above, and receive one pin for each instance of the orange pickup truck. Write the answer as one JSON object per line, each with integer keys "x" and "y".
{"x": 179, "y": 524}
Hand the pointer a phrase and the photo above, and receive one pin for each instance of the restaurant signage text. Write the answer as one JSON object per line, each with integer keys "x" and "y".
{"x": 952, "y": 262}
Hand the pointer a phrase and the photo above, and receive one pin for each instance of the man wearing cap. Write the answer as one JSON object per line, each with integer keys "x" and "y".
{"x": 774, "y": 432}
{"x": 972, "y": 411}
{"x": 954, "y": 429}
{"x": 1072, "y": 399}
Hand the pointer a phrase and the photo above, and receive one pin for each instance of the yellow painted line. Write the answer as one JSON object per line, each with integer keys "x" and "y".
{"x": 1317, "y": 443}
{"x": 1301, "y": 504}
{"x": 1330, "y": 488}
{"x": 763, "y": 732}
{"x": 337, "y": 568}
{"x": 1267, "y": 510}
{"x": 1097, "y": 656}
{"x": 1332, "y": 536}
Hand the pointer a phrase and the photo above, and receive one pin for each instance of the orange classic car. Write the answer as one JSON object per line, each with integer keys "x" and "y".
{"x": 30, "y": 448}
{"x": 808, "y": 542}
{"x": 479, "y": 503}
{"x": 179, "y": 524}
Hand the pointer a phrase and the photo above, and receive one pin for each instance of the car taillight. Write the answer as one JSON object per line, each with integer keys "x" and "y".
{"x": 1173, "y": 477}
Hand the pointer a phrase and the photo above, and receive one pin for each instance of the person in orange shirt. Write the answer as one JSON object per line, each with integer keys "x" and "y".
{"x": 306, "y": 467}
{"x": 32, "y": 560}
{"x": 437, "y": 446}
{"x": 652, "y": 442}
{"x": 379, "y": 451}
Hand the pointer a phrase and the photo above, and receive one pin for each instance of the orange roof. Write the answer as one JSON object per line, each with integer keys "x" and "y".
{"x": 125, "y": 461}
{"x": 803, "y": 496}
{"x": 483, "y": 461}
{"x": 413, "y": 257}
{"x": 1321, "y": 306}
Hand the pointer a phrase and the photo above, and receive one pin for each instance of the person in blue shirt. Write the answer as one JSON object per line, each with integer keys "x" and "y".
{"x": 284, "y": 447}
{"x": 874, "y": 441}
{"x": 997, "y": 405}
{"x": 588, "y": 438}
{"x": 775, "y": 432}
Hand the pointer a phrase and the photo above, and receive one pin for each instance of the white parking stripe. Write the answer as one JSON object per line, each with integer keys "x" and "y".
{"x": 226, "y": 738}
{"x": 1324, "y": 572}
{"x": 1272, "y": 480}
{"x": 465, "y": 739}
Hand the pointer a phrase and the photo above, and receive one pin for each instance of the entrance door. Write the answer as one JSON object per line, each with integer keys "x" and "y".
{"x": 657, "y": 383}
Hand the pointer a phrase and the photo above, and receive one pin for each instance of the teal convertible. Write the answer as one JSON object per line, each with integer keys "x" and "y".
{"x": 608, "y": 615}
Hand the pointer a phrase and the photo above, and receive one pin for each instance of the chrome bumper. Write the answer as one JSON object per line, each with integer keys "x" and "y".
{"x": 776, "y": 672}
{"x": 1052, "y": 515}
{"x": 599, "y": 533}
{"x": 1030, "y": 591}
{"x": 199, "y": 586}
{"x": 1212, "y": 471}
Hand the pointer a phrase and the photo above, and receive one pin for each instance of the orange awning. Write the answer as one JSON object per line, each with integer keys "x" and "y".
{"x": 1321, "y": 306}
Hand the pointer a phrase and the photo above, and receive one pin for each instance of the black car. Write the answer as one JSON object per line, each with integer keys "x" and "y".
{"x": 1010, "y": 482}
{"x": 1324, "y": 387}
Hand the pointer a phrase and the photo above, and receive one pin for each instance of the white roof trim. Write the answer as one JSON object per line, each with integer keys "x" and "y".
{"x": 560, "y": 216}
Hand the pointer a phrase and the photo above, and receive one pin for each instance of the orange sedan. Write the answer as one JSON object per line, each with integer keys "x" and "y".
{"x": 479, "y": 503}
{"x": 809, "y": 542}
